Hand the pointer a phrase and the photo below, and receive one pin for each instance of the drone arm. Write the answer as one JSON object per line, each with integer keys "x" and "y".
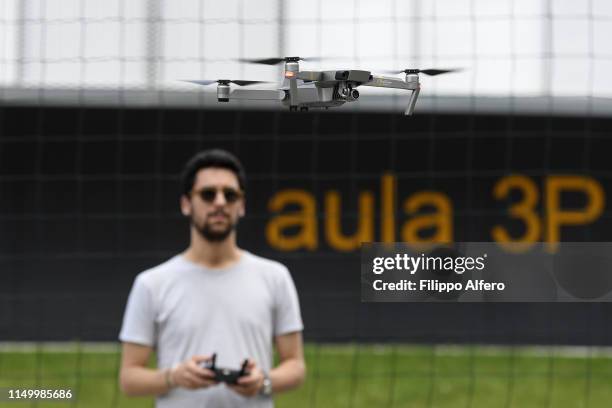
{"x": 258, "y": 94}
{"x": 396, "y": 83}
{"x": 310, "y": 75}
{"x": 293, "y": 92}
{"x": 388, "y": 82}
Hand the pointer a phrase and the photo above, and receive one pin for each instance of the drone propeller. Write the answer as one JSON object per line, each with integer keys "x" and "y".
{"x": 274, "y": 61}
{"x": 239, "y": 82}
{"x": 430, "y": 72}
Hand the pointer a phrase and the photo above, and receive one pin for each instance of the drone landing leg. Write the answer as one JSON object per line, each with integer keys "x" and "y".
{"x": 293, "y": 108}
{"x": 412, "y": 101}
{"x": 303, "y": 108}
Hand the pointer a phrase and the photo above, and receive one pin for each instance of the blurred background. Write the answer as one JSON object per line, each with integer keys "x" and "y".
{"x": 96, "y": 124}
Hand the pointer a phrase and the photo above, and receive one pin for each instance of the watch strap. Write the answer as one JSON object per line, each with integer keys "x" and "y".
{"x": 266, "y": 386}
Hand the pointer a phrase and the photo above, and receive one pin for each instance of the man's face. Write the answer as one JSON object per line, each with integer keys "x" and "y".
{"x": 215, "y": 203}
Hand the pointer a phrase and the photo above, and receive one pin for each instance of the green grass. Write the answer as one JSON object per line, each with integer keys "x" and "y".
{"x": 355, "y": 376}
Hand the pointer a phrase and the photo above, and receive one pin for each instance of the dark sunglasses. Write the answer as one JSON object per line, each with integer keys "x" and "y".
{"x": 209, "y": 194}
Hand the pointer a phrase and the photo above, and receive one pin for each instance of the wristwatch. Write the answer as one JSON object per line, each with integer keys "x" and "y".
{"x": 266, "y": 386}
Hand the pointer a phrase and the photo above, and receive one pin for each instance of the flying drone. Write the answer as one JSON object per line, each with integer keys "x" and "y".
{"x": 319, "y": 89}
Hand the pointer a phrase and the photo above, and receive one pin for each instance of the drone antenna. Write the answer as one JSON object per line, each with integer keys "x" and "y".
{"x": 213, "y": 361}
{"x": 245, "y": 363}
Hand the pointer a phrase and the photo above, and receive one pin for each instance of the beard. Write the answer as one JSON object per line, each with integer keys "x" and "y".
{"x": 211, "y": 233}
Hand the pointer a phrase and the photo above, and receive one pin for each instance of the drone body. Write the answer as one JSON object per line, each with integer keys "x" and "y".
{"x": 319, "y": 89}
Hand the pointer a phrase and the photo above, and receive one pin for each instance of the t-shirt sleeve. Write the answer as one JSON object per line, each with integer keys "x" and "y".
{"x": 139, "y": 318}
{"x": 287, "y": 317}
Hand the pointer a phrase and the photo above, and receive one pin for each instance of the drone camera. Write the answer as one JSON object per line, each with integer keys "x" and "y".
{"x": 348, "y": 93}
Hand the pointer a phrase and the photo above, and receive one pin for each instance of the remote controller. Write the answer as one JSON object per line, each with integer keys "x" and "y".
{"x": 226, "y": 375}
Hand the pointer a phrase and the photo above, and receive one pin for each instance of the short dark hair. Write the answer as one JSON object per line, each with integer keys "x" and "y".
{"x": 211, "y": 158}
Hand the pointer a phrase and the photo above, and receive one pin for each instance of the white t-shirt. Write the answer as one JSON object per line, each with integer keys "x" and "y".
{"x": 184, "y": 309}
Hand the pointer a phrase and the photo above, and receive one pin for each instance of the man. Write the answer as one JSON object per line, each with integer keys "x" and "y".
{"x": 212, "y": 298}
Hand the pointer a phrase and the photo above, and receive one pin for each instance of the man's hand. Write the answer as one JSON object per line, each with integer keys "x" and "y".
{"x": 250, "y": 384}
{"x": 190, "y": 374}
